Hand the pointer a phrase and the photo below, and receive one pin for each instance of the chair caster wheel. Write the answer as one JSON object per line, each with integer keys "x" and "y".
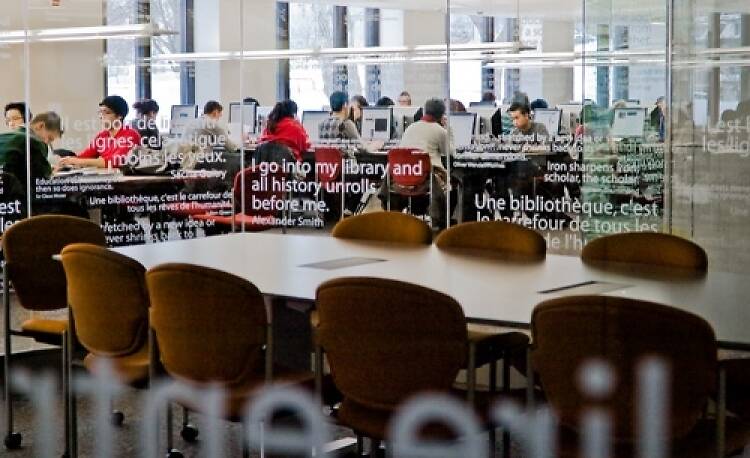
{"x": 189, "y": 433}
{"x": 117, "y": 418}
{"x": 13, "y": 441}
{"x": 174, "y": 453}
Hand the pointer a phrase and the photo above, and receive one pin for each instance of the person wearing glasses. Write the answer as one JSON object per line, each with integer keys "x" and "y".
{"x": 111, "y": 146}
{"x": 16, "y": 115}
{"x": 47, "y": 127}
{"x": 13, "y": 148}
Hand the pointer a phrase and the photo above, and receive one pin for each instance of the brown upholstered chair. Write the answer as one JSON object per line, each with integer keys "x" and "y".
{"x": 568, "y": 332}
{"x": 39, "y": 283}
{"x": 385, "y": 227}
{"x": 655, "y": 249}
{"x": 497, "y": 237}
{"x": 211, "y": 327}
{"x": 386, "y": 341}
{"x": 109, "y": 303}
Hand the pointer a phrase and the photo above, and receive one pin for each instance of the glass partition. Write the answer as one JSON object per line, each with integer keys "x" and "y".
{"x": 635, "y": 138}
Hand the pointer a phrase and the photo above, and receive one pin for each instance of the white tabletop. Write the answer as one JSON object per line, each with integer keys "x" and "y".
{"x": 488, "y": 289}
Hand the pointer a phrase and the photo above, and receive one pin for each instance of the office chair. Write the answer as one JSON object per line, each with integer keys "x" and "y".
{"x": 387, "y": 341}
{"x": 110, "y": 315}
{"x": 409, "y": 175}
{"x": 39, "y": 283}
{"x": 392, "y": 227}
{"x": 622, "y": 333}
{"x": 652, "y": 248}
{"x": 250, "y": 187}
{"x": 210, "y": 327}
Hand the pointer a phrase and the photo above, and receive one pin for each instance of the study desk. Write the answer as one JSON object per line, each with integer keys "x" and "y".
{"x": 490, "y": 290}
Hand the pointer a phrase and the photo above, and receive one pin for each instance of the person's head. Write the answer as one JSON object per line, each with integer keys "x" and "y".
{"x": 728, "y": 116}
{"x": 661, "y": 103}
{"x": 457, "y": 106}
{"x": 488, "y": 97}
{"x": 284, "y": 109}
{"x": 404, "y": 99}
{"x": 47, "y": 126}
{"x": 357, "y": 103}
{"x": 520, "y": 113}
{"x": 340, "y": 103}
{"x": 385, "y": 102}
{"x": 146, "y": 108}
{"x": 619, "y": 104}
{"x": 213, "y": 109}
{"x": 538, "y": 104}
{"x": 435, "y": 108}
{"x": 112, "y": 110}
{"x": 16, "y": 114}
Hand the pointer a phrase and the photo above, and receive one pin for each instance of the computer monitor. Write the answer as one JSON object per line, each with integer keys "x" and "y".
{"x": 462, "y": 125}
{"x": 261, "y": 117}
{"x": 484, "y": 112}
{"x": 311, "y": 121}
{"x": 246, "y": 117}
{"x": 181, "y": 116}
{"x": 628, "y": 122}
{"x": 570, "y": 113}
{"x": 550, "y": 119}
{"x": 376, "y": 123}
{"x": 403, "y": 117}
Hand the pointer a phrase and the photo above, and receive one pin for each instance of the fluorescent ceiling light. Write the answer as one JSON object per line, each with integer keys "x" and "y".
{"x": 82, "y": 33}
{"x": 482, "y": 50}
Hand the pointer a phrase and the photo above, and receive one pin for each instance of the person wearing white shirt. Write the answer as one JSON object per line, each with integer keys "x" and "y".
{"x": 208, "y": 130}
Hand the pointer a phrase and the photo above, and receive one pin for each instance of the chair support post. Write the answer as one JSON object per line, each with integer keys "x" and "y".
{"x": 721, "y": 412}
{"x": 471, "y": 376}
{"x": 8, "y": 353}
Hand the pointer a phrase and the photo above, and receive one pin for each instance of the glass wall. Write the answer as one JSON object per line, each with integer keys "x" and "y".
{"x": 634, "y": 138}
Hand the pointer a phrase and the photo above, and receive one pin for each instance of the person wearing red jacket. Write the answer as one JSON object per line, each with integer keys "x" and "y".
{"x": 283, "y": 128}
{"x": 111, "y": 146}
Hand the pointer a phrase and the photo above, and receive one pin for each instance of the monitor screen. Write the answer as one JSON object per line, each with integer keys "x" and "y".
{"x": 181, "y": 116}
{"x": 628, "y": 122}
{"x": 570, "y": 113}
{"x": 376, "y": 123}
{"x": 462, "y": 125}
{"x": 403, "y": 117}
{"x": 245, "y": 117}
{"x": 550, "y": 119}
{"x": 484, "y": 113}
{"x": 311, "y": 120}
{"x": 261, "y": 116}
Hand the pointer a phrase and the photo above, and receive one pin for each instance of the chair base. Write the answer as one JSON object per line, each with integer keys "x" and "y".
{"x": 174, "y": 453}
{"x": 189, "y": 433}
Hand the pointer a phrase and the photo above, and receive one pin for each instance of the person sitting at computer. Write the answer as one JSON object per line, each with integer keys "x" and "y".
{"x": 524, "y": 129}
{"x": 358, "y": 102}
{"x": 112, "y": 145}
{"x": 283, "y": 128}
{"x": 338, "y": 126}
{"x": 13, "y": 157}
{"x": 145, "y": 123}
{"x": 16, "y": 115}
{"x": 47, "y": 127}
{"x": 208, "y": 130}
{"x": 431, "y": 136}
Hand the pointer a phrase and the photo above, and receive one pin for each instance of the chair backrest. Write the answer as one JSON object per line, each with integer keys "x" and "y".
{"x": 498, "y": 237}
{"x": 387, "y": 340}
{"x": 258, "y": 187}
{"x": 384, "y": 227}
{"x": 333, "y": 159}
{"x": 28, "y": 247}
{"x": 210, "y": 325}
{"x": 107, "y": 294}
{"x": 408, "y": 167}
{"x": 651, "y": 248}
{"x": 567, "y": 332}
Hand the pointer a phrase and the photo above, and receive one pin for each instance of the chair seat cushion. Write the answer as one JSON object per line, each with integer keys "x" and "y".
{"x": 44, "y": 326}
{"x": 130, "y": 370}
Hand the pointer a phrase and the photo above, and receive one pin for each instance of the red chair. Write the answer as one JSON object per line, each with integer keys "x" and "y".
{"x": 409, "y": 172}
{"x": 258, "y": 189}
{"x": 328, "y": 176}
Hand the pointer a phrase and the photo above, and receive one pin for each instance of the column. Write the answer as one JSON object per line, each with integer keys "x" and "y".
{"x": 487, "y": 32}
{"x": 340, "y": 40}
{"x": 714, "y": 74}
{"x": 557, "y": 83}
{"x": 620, "y": 73}
{"x": 143, "y": 52}
{"x": 602, "y": 71}
{"x": 187, "y": 45}
{"x": 372, "y": 39}
{"x": 282, "y": 42}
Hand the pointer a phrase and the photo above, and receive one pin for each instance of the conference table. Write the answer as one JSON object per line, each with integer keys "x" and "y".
{"x": 491, "y": 290}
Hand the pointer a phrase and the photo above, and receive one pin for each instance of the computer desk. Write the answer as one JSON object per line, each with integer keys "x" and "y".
{"x": 490, "y": 289}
